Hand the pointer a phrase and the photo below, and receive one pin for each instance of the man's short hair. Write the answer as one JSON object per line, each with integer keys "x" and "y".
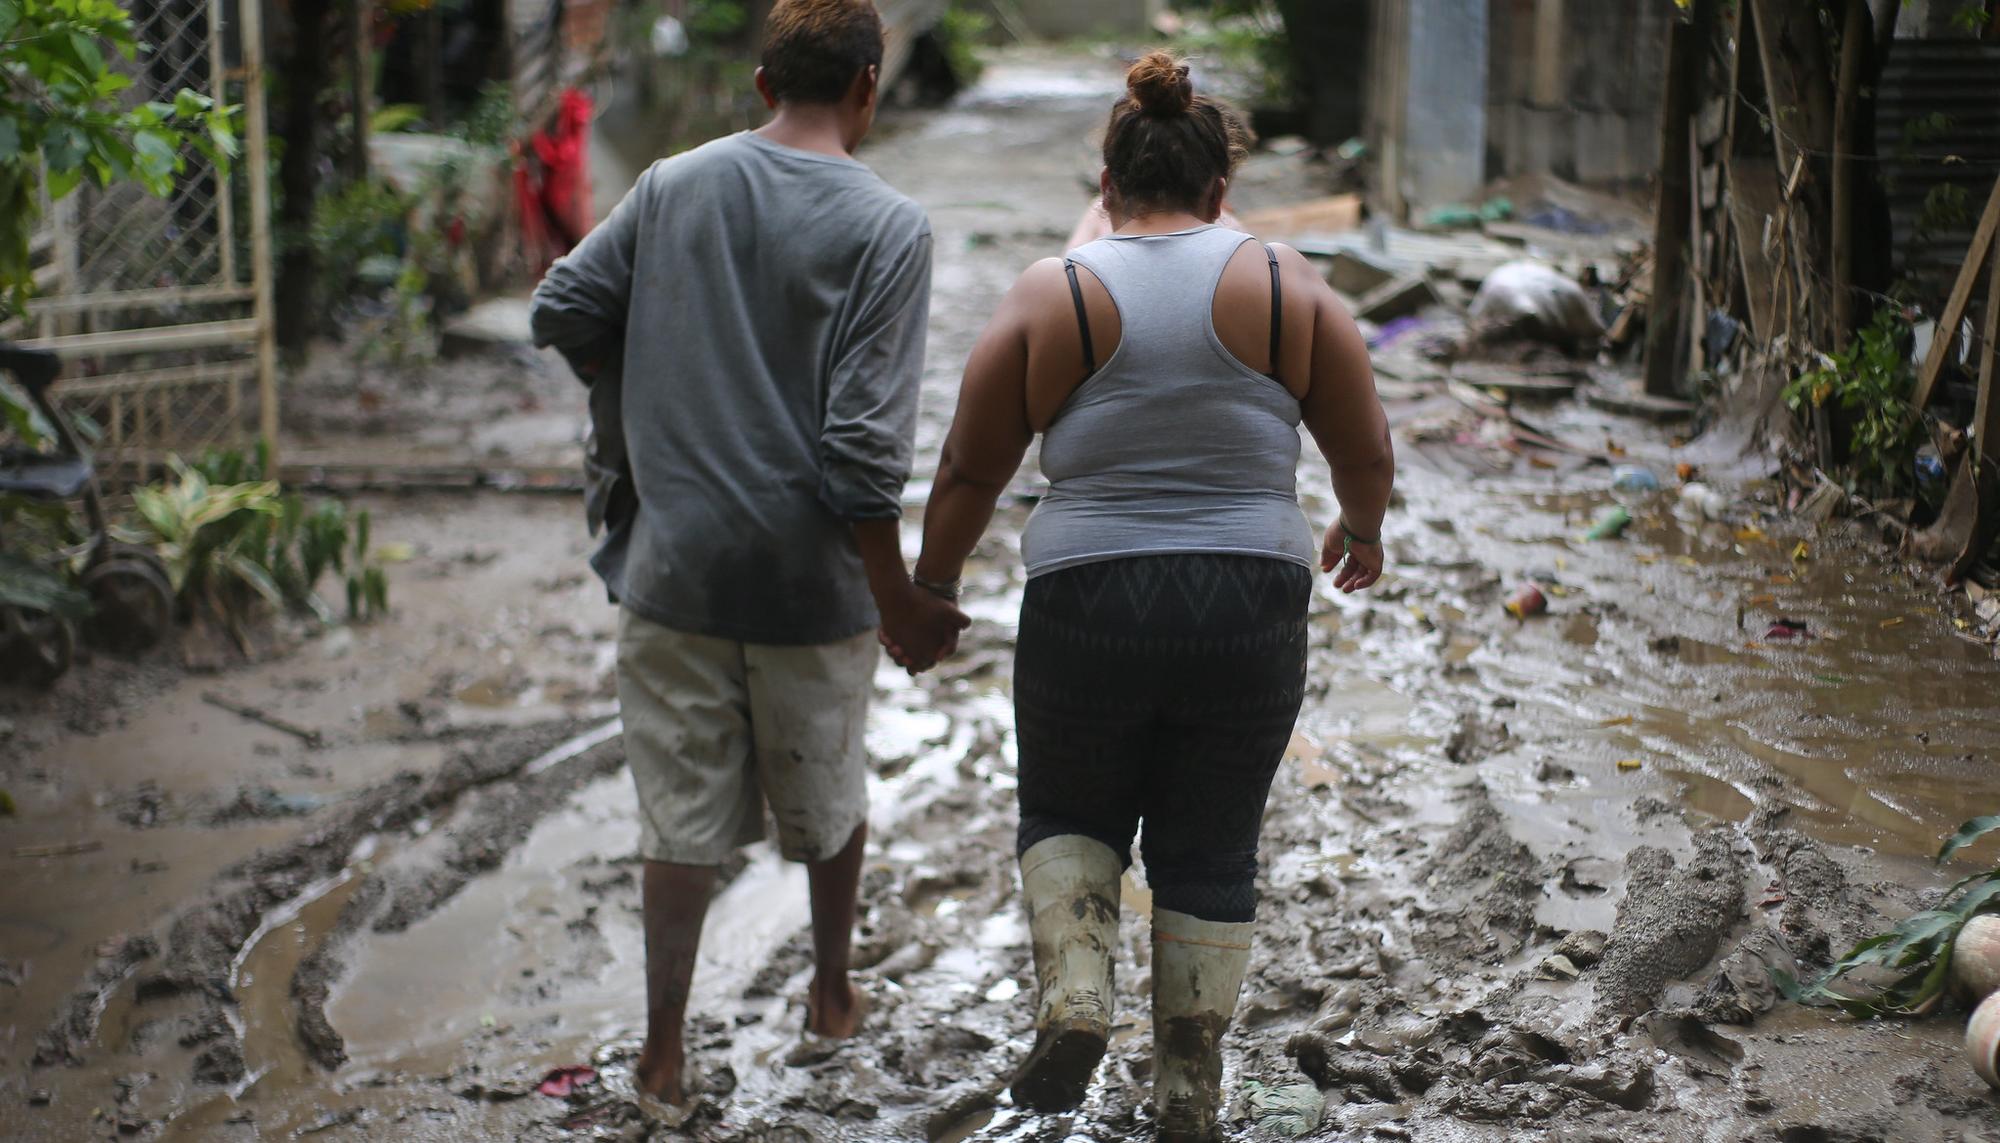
{"x": 813, "y": 49}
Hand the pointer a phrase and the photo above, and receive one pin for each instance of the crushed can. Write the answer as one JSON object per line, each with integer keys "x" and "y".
{"x": 1527, "y": 602}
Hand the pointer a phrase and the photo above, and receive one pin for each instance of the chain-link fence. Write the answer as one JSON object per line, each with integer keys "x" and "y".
{"x": 160, "y": 306}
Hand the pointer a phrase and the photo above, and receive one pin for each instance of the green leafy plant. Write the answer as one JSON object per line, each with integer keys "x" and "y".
{"x": 64, "y": 118}
{"x": 1916, "y": 953}
{"x": 297, "y": 546}
{"x": 206, "y": 533}
{"x": 961, "y": 30}
{"x": 1868, "y": 384}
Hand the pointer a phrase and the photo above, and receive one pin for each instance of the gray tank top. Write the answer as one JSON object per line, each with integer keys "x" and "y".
{"x": 1173, "y": 445}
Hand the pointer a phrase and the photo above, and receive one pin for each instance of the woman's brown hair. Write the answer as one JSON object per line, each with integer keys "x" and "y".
{"x": 1166, "y": 145}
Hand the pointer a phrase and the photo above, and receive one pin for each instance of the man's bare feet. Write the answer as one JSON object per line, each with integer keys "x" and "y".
{"x": 659, "y": 1075}
{"x": 835, "y": 1013}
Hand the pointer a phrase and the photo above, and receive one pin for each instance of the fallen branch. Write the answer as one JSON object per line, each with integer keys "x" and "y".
{"x": 60, "y": 849}
{"x": 311, "y": 738}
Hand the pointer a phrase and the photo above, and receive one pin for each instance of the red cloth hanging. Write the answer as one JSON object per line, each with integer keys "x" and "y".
{"x": 552, "y": 182}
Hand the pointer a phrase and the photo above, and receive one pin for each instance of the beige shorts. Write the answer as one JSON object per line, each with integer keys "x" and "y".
{"x": 715, "y": 729}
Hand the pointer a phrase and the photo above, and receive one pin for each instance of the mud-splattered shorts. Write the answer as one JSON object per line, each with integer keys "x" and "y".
{"x": 715, "y": 729}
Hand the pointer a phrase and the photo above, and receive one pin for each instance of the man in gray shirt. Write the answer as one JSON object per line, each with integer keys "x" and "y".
{"x": 758, "y": 306}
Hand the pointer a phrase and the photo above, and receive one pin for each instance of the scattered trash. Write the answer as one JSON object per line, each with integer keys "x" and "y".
{"x": 1982, "y": 1039}
{"x": 1400, "y": 297}
{"x": 1392, "y": 332}
{"x": 1785, "y": 629}
{"x": 1291, "y": 1111}
{"x": 1975, "y": 959}
{"x": 1825, "y": 502}
{"x": 1887, "y": 624}
{"x": 1610, "y": 524}
{"x": 1801, "y": 552}
{"x": 561, "y": 1083}
{"x": 1684, "y": 471}
{"x": 1929, "y": 466}
{"x": 1321, "y": 216}
{"x": 1353, "y": 273}
{"x": 1629, "y": 764}
{"x": 253, "y": 802}
{"x": 1703, "y": 500}
{"x": 1634, "y": 478}
{"x": 1527, "y": 602}
{"x": 1530, "y": 300}
{"x": 1459, "y": 216}
{"x": 1558, "y": 967}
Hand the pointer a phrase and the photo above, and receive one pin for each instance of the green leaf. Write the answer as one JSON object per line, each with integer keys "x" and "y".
{"x": 35, "y": 588}
{"x": 1967, "y": 834}
{"x": 1969, "y": 904}
{"x": 63, "y": 149}
{"x": 10, "y": 137}
{"x": 191, "y": 104}
{"x": 88, "y": 54}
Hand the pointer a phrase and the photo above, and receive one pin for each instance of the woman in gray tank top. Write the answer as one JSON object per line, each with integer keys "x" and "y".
{"x": 1162, "y": 653}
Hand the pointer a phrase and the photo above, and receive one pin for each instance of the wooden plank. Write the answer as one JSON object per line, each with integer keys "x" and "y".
{"x": 139, "y": 381}
{"x": 137, "y": 299}
{"x": 201, "y": 335}
{"x": 1961, "y": 294}
{"x": 1341, "y": 212}
{"x": 250, "y": 33}
{"x": 1755, "y": 200}
{"x": 1986, "y": 441}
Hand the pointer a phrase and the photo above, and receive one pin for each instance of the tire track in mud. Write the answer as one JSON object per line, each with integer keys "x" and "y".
{"x": 205, "y": 942}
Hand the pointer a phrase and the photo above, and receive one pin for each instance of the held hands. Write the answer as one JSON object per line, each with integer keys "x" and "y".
{"x": 921, "y": 629}
{"x": 1355, "y": 564}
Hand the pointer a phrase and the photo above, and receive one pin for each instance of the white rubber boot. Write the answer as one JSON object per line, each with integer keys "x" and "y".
{"x": 1198, "y": 969}
{"x": 1071, "y": 886}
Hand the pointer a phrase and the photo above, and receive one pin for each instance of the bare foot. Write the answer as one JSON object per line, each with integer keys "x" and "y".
{"x": 835, "y": 1013}
{"x": 661, "y": 1077}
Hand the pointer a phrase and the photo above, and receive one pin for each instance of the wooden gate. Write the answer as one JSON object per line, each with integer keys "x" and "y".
{"x": 161, "y": 306}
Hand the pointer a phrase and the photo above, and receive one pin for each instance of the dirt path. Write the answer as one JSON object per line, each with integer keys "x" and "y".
{"x": 395, "y": 935}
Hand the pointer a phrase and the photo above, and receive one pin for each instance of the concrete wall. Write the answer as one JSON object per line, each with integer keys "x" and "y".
{"x": 1059, "y": 19}
{"x": 1574, "y": 88}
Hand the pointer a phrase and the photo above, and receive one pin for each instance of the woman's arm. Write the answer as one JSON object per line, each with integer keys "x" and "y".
{"x": 989, "y": 434}
{"x": 1346, "y": 420}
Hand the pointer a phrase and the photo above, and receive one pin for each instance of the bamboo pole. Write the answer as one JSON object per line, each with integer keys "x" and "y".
{"x": 1673, "y": 222}
{"x": 1855, "y": 33}
{"x": 218, "y": 90}
{"x": 357, "y": 77}
{"x": 254, "y": 150}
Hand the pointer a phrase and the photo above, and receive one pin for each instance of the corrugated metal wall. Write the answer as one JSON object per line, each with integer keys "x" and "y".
{"x": 1938, "y": 126}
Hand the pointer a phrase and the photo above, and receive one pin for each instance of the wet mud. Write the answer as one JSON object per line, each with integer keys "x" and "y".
{"x": 1522, "y": 880}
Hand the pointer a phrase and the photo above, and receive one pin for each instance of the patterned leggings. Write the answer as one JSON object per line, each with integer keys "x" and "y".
{"x": 1162, "y": 689}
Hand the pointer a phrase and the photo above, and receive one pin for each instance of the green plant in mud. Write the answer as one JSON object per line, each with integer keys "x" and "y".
{"x": 1917, "y": 952}
{"x": 233, "y": 540}
{"x": 1866, "y": 388}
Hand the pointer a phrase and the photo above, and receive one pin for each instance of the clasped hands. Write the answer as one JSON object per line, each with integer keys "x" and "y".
{"x": 920, "y": 629}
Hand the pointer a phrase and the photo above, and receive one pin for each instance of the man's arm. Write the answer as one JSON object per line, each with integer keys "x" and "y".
{"x": 580, "y": 305}
{"x": 866, "y": 442}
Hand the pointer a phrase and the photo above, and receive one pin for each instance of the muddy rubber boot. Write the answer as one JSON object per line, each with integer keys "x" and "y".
{"x": 1198, "y": 969}
{"x": 1070, "y": 883}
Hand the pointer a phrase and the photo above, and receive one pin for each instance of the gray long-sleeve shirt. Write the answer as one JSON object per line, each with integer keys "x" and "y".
{"x": 773, "y": 307}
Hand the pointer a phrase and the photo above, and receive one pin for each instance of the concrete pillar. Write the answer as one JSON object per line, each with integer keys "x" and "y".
{"x": 1443, "y": 152}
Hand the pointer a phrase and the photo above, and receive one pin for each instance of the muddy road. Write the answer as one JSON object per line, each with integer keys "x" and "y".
{"x": 1523, "y": 880}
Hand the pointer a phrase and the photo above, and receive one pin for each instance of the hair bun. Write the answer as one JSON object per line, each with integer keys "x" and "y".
{"x": 1159, "y": 84}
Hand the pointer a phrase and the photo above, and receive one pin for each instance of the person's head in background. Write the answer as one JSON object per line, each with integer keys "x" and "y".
{"x": 822, "y": 61}
{"x": 1168, "y": 150}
